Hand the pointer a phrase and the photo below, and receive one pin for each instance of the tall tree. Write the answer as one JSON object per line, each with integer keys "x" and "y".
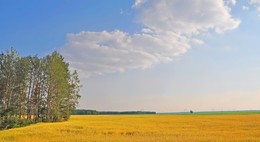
{"x": 58, "y": 86}
{"x": 36, "y": 89}
{"x": 22, "y": 72}
{"x": 8, "y": 80}
{"x": 75, "y": 90}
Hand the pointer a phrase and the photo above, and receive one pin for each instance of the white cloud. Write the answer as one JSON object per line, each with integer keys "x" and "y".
{"x": 232, "y": 2}
{"x": 245, "y": 7}
{"x": 169, "y": 29}
{"x": 104, "y": 52}
{"x": 195, "y": 41}
{"x": 138, "y": 3}
{"x": 187, "y": 18}
{"x": 256, "y": 3}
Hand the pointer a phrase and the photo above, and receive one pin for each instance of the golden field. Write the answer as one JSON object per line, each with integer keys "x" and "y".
{"x": 141, "y": 128}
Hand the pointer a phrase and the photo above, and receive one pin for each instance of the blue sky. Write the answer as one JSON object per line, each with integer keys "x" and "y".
{"x": 160, "y": 55}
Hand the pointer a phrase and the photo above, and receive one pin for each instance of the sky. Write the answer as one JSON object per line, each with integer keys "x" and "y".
{"x": 149, "y": 55}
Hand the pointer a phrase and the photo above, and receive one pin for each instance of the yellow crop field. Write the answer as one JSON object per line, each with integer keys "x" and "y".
{"x": 141, "y": 128}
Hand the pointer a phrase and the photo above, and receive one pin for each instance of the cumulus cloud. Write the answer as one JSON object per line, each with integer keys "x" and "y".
{"x": 187, "y": 18}
{"x": 104, "y": 52}
{"x": 169, "y": 29}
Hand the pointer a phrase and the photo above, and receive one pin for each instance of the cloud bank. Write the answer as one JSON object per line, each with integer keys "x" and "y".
{"x": 170, "y": 28}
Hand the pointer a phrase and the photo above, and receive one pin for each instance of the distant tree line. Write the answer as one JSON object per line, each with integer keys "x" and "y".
{"x": 94, "y": 112}
{"x": 34, "y": 89}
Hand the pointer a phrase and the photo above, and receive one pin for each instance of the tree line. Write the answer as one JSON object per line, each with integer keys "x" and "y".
{"x": 34, "y": 89}
{"x": 95, "y": 112}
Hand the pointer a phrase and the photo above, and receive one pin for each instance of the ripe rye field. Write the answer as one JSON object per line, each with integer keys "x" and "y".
{"x": 141, "y": 128}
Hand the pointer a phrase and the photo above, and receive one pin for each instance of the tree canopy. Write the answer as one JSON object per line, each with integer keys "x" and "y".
{"x": 34, "y": 89}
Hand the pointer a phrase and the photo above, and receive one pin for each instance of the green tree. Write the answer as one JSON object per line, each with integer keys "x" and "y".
{"x": 8, "y": 83}
{"x": 22, "y": 71}
{"x": 58, "y": 86}
{"x": 75, "y": 90}
{"x": 36, "y": 89}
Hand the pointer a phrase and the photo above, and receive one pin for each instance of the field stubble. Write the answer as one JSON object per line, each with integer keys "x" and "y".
{"x": 141, "y": 128}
